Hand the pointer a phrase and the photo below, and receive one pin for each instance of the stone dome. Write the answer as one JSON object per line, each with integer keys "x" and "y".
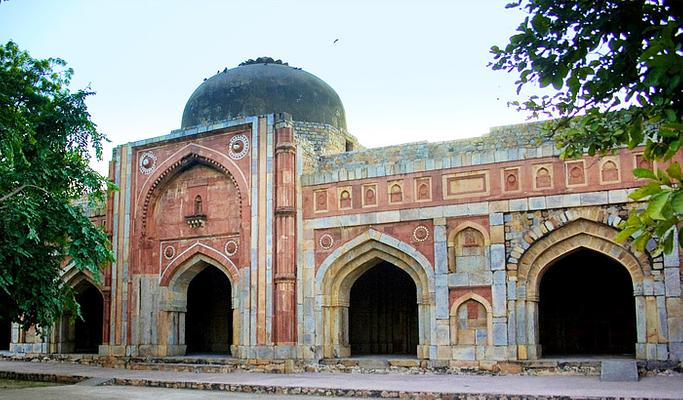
{"x": 256, "y": 88}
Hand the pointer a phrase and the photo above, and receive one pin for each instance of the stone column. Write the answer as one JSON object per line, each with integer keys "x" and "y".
{"x": 284, "y": 314}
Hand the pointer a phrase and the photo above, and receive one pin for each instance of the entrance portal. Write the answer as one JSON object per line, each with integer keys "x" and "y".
{"x": 587, "y": 306}
{"x": 88, "y": 328}
{"x": 208, "y": 323}
{"x": 383, "y": 312}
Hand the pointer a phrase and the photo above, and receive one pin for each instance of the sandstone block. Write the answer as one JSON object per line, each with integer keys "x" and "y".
{"x": 463, "y": 352}
{"x": 619, "y": 371}
{"x": 510, "y": 368}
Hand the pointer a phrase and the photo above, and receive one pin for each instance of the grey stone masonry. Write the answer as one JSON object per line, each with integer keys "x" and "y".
{"x": 505, "y": 143}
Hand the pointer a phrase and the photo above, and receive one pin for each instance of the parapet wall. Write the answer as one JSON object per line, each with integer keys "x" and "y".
{"x": 505, "y": 143}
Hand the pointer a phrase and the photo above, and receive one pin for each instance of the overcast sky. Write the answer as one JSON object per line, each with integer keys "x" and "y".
{"x": 405, "y": 70}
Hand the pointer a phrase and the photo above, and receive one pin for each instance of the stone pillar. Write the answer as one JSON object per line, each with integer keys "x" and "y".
{"x": 285, "y": 235}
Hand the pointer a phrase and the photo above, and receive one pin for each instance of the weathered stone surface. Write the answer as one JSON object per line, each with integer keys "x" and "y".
{"x": 619, "y": 371}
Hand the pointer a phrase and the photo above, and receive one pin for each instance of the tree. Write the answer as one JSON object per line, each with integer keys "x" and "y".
{"x": 46, "y": 137}
{"x": 617, "y": 70}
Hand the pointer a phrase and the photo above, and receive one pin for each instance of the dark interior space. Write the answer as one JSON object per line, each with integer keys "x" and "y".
{"x": 208, "y": 323}
{"x": 88, "y": 329}
{"x": 5, "y": 324}
{"x": 383, "y": 312}
{"x": 5, "y": 333}
{"x": 587, "y": 307}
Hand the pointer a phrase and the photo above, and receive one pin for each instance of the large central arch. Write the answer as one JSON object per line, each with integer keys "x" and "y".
{"x": 340, "y": 270}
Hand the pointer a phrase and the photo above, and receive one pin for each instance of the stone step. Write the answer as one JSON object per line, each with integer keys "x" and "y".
{"x": 171, "y": 367}
{"x": 188, "y": 360}
{"x": 619, "y": 371}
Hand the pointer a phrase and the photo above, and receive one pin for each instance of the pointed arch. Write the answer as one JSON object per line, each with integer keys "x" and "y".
{"x": 194, "y": 260}
{"x": 380, "y": 246}
{"x": 468, "y": 224}
{"x": 581, "y": 233}
{"x": 578, "y": 233}
{"x": 489, "y": 315}
{"x": 174, "y": 296}
{"x": 340, "y": 270}
{"x": 75, "y": 278}
{"x": 186, "y": 157}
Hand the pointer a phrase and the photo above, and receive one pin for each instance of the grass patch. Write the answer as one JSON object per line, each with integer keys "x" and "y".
{"x": 17, "y": 384}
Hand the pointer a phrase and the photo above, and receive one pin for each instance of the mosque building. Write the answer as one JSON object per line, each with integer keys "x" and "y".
{"x": 262, "y": 229}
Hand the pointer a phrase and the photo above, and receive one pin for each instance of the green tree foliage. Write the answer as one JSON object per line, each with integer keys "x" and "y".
{"x": 46, "y": 137}
{"x": 617, "y": 70}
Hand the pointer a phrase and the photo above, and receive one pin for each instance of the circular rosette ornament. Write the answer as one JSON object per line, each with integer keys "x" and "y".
{"x": 148, "y": 162}
{"x": 230, "y": 248}
{"x": 326, "y": 241}
{"x": 238, "y": 147}
{"x": 169, "y": 252}
{"x": 421, "y": 233}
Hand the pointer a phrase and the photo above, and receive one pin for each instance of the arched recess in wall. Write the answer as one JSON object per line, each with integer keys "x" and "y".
{"x": 468, "y": 325}
{"x": 183, "y": 160}
{"x": 341, "y": 269}
{"x": 467, "y": 244}
{"x": 83, "y": 334}
{"x": 545, "y": 252}
{"x": 203, "y": 270}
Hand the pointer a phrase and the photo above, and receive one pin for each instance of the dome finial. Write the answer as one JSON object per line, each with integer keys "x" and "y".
{"x": 263, "y": 60}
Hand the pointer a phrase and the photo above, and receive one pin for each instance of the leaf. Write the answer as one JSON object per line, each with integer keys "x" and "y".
{"x": 677, "y": 203}
{"x": 641, "y": 241}
{"x": 644, "y": 173}
{"x": 626, "y": 233}
{"x": 645, "y": 191}
{"x": 540, "y": 23}
{"x": 656, "y": 205}
{"x": 674, "y": 171}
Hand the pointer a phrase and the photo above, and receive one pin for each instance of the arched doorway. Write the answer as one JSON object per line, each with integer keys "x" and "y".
{"x": 208, "y": 322}
{"x": 88, "y": 328}
{"x": 586, "y": 306}
{"x": 339, "y": 272}
{"x": 383, "y": 316}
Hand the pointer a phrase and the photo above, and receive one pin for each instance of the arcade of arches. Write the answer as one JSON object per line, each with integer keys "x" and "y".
{"x": 227, "y": 243}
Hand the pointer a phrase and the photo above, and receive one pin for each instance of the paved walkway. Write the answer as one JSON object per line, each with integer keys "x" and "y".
{"x": 352, "y": 385}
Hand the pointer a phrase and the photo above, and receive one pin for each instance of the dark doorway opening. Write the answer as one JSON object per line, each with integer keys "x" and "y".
{"x": 88, "y": 328}
{"x": 587, "y": 307}
{"x": 383, "y": 312}
{"x": 208, "y": 322}
{"x": 5, "y": 323}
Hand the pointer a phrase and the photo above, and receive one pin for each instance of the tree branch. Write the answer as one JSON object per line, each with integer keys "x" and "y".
{"x": 19, "y": 189}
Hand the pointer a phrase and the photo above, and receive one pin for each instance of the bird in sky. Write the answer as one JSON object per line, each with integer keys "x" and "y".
{"x": 335, "y": 41}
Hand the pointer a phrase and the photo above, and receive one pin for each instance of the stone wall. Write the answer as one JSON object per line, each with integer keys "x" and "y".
{"x": 316, "y": 139}
{"x": 502, "y": 144}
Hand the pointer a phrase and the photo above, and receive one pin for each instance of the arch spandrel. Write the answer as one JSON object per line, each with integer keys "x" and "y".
{"x": 341, "y": 268}
{"x": 179, "y": 274}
